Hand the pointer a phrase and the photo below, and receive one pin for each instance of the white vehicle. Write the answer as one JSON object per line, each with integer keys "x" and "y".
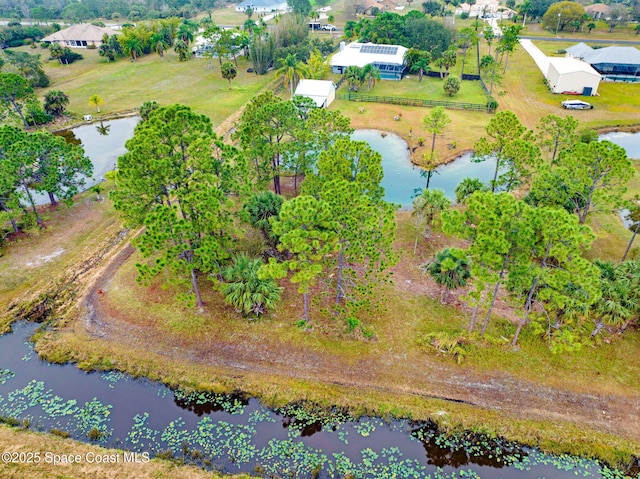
{"x": 329, "y": 27}
{"x": 576, "y": 105}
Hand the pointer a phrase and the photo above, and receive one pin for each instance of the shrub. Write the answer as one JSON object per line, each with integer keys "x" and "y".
{"x": 451, "y": 85}
{"x": 464, "y": 15}
{"x": 59, "y": 433}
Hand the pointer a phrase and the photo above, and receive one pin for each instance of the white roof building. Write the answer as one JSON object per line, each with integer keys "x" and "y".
{"x": 389, "y": 59}
{"x": 572, "y": 76}
{"x": 322, "y": 92}
{"x": 80, "y": 35}
{"x": 615, "y": 63}
{"x": 564, "y": 75}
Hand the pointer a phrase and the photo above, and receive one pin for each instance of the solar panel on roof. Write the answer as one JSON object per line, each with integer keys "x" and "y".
{"x": 379, "y": 49}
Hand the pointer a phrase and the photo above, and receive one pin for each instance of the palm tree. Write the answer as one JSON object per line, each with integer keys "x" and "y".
{"x": 592, "y": 25}
{"x": 159, "y": 43}
{"x": 425, "y": 208}
{"x": 55, "y": 102}
{"x": 245, "y": 290}
{"x": 450, "y": 269}
{"x": 229, "y": 72}
{"x": 96, "y": 100}
{"x": 291, "y": 70}
{"x": 370, "y": 74}
{"x": 418, "y": 61}
{"x": 56, "y": 51}
{"x": 182, "y": 49}
{"x": 353, "y": 75}
{"x": 465, "y": 40}
{"x": 317, "y": 66}
{"x": 618, "y": 303}
{"x": 185, "y": 31}
{"x": 131, "y": 46}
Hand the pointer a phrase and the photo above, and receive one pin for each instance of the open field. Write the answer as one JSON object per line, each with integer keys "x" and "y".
{"x": 16, "y": 440}
{"x": 427, "y": 89}
{"x": 601, "y": 32}
{"x": 125, "y": 85}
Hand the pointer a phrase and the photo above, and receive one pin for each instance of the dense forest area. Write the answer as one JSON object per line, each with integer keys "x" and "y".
{"x": 73, "y": 11}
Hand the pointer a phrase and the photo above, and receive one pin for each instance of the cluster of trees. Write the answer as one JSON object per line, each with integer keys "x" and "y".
{"x": 149, "y": 37}
{"x": 15, "y": 34}
{"x": 412, "y": 30}
{"x": 27, "y": 65}
{"x": 76, "y": 12}
{"x": 533, "y": 247}
{"x": 192, "y": 193}
{"x": 37, "y": 164}
{"x": 19, "y": 102}
{"x": 289, "y": 39}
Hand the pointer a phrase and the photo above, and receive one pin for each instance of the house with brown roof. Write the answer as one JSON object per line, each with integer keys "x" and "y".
{"x": 381, "y": 5}
{"x": 80, "y": 36}
{"x": 598, "y": 11}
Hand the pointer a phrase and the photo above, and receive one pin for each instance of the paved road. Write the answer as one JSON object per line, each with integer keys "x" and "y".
{"x": 578, "y": 40}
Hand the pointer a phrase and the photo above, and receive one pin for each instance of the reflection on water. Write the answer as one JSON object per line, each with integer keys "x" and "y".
{"x": 103, "y": 129}
{"x": 236, "y": 434}
{"x": 102, "y": 143}
{"x": 629, "y": 141}
{"x": 402, "y": 179}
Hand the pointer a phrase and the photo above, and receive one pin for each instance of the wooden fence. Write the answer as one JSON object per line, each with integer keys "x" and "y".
{"x": 393, "y": 100}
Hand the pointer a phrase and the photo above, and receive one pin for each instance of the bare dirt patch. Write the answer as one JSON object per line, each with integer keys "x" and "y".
{"x": 396, "y": 370}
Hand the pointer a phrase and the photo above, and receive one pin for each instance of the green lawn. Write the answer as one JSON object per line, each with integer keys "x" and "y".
{"x": 124, "y": 84}
{"x": 601, "y": 32}
{"x": 427, "y": 89}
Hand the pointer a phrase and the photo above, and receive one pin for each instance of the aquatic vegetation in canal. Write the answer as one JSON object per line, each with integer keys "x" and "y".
{"x": 5, "y": 375}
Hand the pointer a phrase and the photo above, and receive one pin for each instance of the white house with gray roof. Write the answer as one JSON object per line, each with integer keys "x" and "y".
{"x": 613, "y": 63}
{"x": 389, "y": 59}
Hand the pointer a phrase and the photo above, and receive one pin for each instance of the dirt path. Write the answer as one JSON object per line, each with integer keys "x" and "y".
{"x": 386, "y": 371}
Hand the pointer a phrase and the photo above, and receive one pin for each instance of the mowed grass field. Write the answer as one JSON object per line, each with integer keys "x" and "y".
{"x": 124, "y": 85}
{"x": 429, "y": 88}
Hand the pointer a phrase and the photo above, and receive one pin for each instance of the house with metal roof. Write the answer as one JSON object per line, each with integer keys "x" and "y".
{"x": 389, "y": 59}
{"x": 613, "y": 63}
{"x": 263, "y": 6}
{"x": 322, "y": 92}
{"x": 80, "y": 36}
{"x": 571, "y": 76}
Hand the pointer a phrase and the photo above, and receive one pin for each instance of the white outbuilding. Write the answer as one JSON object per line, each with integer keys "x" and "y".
{"x": 572, "y": 76}
{"x": 322, "y": 92}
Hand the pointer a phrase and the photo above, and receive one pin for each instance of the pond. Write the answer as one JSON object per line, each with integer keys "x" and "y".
{"x": 402, "y": 179}
{"x": 629, "y": 141}
{"x": 233, "y": 434}
{"x": 103, "y": 143}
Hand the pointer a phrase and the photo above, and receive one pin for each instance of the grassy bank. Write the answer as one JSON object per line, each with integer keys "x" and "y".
{"x": 151, "y": 336}
{"x": 31, "y": 261}
{"x": 49, "y": 446}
